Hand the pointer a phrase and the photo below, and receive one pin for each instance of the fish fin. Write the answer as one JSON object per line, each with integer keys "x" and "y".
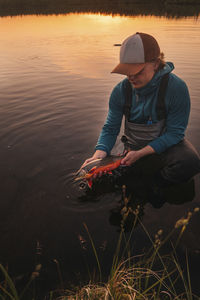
{"x": 78, "y": 178}
{"x": 92, "y": 170}
{"x": 90, "y": 183}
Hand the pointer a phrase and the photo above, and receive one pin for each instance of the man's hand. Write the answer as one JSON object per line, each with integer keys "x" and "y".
{"x": 96, "y": 155}
{"x": 132, "y": 156}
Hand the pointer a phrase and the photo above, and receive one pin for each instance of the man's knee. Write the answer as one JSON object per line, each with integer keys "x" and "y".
{"x": 181, "y": 162}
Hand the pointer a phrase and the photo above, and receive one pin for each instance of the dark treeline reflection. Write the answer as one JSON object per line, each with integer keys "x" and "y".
{"x": 168, "y": 8}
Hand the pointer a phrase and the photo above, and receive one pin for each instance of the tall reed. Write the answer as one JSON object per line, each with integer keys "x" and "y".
{"x": 151, "y": 275}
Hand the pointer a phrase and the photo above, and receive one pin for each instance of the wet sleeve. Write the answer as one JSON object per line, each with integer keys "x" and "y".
{"x": 112, "y": 125}
{"x": 178, "y": 110}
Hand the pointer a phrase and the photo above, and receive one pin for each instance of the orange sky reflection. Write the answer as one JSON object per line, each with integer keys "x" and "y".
{"x": 80, "y": 43}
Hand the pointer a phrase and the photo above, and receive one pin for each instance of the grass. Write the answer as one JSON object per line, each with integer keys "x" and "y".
{"x": 147, "y": 276}
{"x": 151, "y": 275}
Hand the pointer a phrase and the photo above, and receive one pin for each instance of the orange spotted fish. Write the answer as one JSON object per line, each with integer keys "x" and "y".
{"x": 105, "y": 165}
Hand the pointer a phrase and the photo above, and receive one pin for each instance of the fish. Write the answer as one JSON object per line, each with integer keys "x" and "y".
{"x": 97, "y": 166}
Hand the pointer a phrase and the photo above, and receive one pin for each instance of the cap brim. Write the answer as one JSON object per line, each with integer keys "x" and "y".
{"x": 128, "y": 69}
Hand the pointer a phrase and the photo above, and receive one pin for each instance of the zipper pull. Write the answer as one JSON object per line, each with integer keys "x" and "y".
{"x": 149, "y": 122}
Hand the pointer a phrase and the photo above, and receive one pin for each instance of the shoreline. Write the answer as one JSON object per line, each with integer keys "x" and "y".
{"x": 132, "y": 8}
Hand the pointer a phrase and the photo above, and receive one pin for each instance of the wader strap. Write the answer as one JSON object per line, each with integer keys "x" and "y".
{"x": 160, "y": 106}
{"x": 128, "y": 99}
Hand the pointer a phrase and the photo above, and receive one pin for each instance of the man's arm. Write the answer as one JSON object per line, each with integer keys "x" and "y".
{"x": 111, "y": 128}
{"x": 178, "y": 110}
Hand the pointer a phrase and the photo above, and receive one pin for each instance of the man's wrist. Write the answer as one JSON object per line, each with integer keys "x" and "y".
{"x": 100, "y": 154}
{"x": 147, "y": 150}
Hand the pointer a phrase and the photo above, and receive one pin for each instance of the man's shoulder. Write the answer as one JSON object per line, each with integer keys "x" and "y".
{"x": 120, "y": 87}
{"x": 176, "y": 82}
{"x": 122, "y": 84}
{"x": 118, "y": 94}
{"x": 177, "y": 86}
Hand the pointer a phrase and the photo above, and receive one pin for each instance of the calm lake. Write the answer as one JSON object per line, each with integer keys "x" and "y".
{"x": 55, "y": 84}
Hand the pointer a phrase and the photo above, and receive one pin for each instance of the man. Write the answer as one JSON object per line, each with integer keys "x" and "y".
{"x": 156, "y": 105}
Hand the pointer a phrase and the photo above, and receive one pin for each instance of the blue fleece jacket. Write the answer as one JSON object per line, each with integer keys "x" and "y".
{"x": 177, "y": 103}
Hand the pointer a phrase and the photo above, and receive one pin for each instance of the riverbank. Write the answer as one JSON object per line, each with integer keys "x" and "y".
{"x": 168, "y": 8}
{"x": 154, "y": 274}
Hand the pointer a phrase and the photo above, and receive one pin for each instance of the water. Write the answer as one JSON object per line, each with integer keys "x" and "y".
{"x": 55, "y": 83}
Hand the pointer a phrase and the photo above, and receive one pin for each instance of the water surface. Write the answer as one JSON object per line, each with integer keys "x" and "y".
{"x": 55, "y": 84}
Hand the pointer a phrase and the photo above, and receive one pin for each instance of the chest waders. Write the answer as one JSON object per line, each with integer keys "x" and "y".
{"x": 178, "y": 163}
{"x": 137, "y": 136}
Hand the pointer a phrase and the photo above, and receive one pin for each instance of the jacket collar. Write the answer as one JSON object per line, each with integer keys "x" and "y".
{"x": 154, "y": 82}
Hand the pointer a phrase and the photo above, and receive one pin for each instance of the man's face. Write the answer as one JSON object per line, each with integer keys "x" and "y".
{"x": 141, "y": 78}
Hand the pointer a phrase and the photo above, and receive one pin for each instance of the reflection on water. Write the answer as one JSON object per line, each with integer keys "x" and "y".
{"x": 134, "y": 205}
{"x": 55, "y": 83}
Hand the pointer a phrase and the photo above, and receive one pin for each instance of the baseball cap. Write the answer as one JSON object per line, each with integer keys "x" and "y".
{"x": 135, "y": 51}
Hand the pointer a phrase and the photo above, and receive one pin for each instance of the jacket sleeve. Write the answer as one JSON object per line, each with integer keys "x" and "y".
{"x": 112, "y": 125}
{"x": 178, "y": 110}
